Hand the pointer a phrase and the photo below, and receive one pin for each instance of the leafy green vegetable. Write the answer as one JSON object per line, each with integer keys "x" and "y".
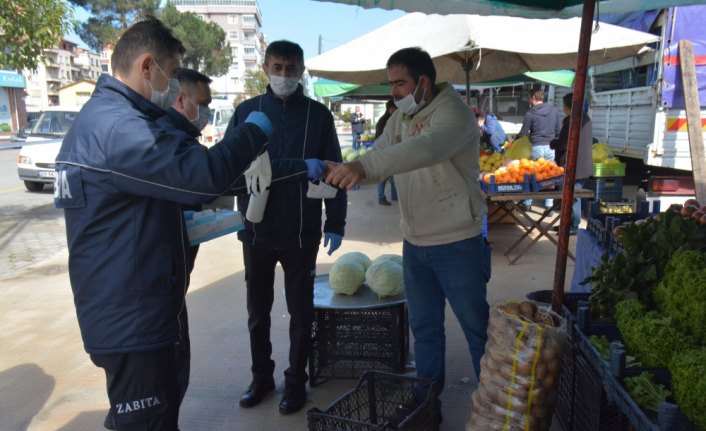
{"x": 688, "y": 370}
{"x": 649, "y": 336}
{"x": 646, "y": 393}
{"x": 601, "y": 343}
{"x": 647, "y": 247}
{"x": 682, "y": 293}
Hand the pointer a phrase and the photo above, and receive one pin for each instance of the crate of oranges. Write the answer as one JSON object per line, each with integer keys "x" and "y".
{"x": 523, "y": 175}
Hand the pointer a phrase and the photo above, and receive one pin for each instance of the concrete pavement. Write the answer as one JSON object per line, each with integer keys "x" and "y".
{"x": 47, "y": 381}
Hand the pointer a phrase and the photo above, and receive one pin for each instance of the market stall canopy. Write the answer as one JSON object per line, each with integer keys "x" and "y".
{"x": 474, "y": 48}
{"x": 535, "y": 9}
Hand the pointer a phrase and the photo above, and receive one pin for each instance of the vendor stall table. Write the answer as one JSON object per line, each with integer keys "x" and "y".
{"x": 508, "y": 202}
{"x": 357, "y": 333}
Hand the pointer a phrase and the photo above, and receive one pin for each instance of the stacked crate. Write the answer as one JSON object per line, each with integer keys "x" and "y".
{"x": 607, "y": 181}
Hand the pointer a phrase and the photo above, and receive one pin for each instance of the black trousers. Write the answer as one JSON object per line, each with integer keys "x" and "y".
{"x": 142, "y": 389}
{"x": 299, "y": 266}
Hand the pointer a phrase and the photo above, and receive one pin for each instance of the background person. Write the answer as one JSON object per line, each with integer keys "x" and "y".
{"x": 357, "y": 127}
{"x": 542, "y": 124}
{"x": 290, "y": 231}
{"x": 584, "y": 158}
{"x": 121, "y": 180}
{"x": 390, "y": 108}
{"x": 492, "y": 133}
{"x": 430, "y": 144}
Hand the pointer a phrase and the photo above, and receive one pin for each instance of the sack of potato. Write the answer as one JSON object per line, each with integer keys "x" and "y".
{"x": 519, "y": 370}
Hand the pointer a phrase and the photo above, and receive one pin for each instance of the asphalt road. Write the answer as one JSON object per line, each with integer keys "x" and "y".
{"x": 31, "y": 229}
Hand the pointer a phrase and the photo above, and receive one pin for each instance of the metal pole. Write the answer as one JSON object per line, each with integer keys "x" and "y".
{"x": 571, "y": 154}
{"x": 467, "y": 68}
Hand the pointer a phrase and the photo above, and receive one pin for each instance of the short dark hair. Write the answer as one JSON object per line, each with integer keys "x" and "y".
{"x": 568, "y": 99}
{"x": 149, "y": 35}
{"x": 190, "y": 76}
{"x": 537, "y": 93}
{"x": 417, "y": 61}
{"x": 284, "y": 49}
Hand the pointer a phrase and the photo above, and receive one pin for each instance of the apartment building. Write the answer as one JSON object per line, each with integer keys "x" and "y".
{"x": 63, "y": 64}
{"x": 242, "y": 22}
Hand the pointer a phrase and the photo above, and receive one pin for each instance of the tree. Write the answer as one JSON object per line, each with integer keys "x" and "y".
{"x": 110, "y": 19}
{"x": 205, "y": 42}
{"x": 29, "y": 27}
{"x": 255, "y": 82}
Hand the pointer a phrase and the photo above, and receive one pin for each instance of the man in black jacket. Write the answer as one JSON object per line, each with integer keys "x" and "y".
{"x": 290, "y": 232}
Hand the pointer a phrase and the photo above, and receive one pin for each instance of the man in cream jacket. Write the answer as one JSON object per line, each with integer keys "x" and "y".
{"x": 430, "y": 145}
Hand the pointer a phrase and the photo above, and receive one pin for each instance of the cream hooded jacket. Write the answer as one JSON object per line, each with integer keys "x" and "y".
{"x": 434, "y": 159}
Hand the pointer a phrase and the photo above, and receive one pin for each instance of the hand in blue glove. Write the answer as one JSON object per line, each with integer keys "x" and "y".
{"x": 315, "y": 168}
{"x": 260, "y": 120}
{"x": 335, "y": 240}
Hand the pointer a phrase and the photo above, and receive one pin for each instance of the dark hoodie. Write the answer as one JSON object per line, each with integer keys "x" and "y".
{"x": 542, "y": 124}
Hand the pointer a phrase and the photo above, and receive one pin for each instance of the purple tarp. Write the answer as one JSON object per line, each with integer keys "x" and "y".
{"x": 684, "y": 23}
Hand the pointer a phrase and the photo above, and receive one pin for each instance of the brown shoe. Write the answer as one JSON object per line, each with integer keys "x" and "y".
{"x": 384, "y": 202}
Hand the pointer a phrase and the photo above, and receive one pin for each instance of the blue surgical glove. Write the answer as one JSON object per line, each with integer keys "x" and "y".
{"x": 260, "y": 120}
{"x": 315, "y": 168}
{"x": 335, "y": 240}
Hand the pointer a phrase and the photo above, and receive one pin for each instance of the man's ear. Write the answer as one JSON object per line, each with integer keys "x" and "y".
{"x": 145, "y": 61}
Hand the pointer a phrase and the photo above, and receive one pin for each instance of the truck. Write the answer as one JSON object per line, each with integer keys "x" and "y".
{"x": 637, "y": 104}
{"x": 221, "y": 112}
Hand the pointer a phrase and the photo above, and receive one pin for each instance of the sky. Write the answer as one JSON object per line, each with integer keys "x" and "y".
{"x": 303, "y": 21}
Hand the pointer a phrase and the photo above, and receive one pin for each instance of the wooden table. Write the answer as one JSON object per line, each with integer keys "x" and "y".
{"x": 509, "y": 203}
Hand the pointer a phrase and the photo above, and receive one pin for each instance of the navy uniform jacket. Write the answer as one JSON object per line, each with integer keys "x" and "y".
{"x": 121, "y": 180}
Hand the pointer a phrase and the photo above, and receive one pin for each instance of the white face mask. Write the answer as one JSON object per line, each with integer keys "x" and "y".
{"x": 408, "y": 104}
{"x": 202, "y": 115}
{"x": 164, "y": 98}
{"x": 283, "y": 87}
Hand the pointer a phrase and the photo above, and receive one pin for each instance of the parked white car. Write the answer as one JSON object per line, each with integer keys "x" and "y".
{"x": 221, "y": 112}
{"x": 36, "y": 161}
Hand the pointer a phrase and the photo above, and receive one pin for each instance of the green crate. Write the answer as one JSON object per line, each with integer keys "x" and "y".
{"x": 609, "y": 169}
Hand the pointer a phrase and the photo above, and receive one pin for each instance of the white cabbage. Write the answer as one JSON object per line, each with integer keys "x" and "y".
{"x": 346, "y": 276}
{"x": 384, "y": 277}
{"x": 359, "y": 257}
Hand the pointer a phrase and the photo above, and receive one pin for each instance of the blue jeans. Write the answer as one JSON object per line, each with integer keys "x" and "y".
{"x": 576, "y": 207}
{"x": 356, "y": 140}
{"x": 458, "y": 272}
{"x": 546, "y": 152}
{"x": 381, "y": 189}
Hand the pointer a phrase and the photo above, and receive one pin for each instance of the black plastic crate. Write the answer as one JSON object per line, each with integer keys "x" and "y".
{"x": 602, "y": 225}
{"x": 669, "y": 417}
{"x": 381, "y": 401}
{"x": 348, "y": 342}
{"x": 591, "y": 410}
{"x": 607, "y": 188}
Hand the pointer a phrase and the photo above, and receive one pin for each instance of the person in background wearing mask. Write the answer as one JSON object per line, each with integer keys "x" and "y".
{"x": 357, "y": 127}
{"x": 430, "y": 145}
{"x": 122, "y": 180}
{"x": 290, "y": 231}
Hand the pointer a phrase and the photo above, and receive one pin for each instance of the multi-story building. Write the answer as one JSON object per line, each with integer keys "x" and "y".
{"x": 88, "y": 65}
{"x": 63, "y": 64}
{"x": 242, "y": 22}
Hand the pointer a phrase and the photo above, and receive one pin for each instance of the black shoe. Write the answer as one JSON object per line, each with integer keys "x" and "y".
{"x": 384, "y": 202}
{"x": 255, "y": 393}
{"x": 108, "y": 422}
{"x": 293, "y": 400}
{"x": 555, "y": 228}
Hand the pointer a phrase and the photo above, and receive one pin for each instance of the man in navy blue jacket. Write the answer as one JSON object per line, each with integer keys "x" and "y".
{"x": 122, "y": 180}
{"x": 290, "y": 231}
{"x": 542, "y": 123}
